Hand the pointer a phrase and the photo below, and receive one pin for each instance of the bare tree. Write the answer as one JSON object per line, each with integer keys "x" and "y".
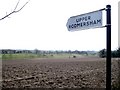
{"x": 14, "y": 11}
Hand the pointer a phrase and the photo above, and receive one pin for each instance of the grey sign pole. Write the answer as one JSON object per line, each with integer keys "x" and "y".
{"x": 108, "y": 47}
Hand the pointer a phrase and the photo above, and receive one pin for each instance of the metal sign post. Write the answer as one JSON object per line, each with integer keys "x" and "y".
{"x": 108, "y": 47}
{"x": 94, "y": 20}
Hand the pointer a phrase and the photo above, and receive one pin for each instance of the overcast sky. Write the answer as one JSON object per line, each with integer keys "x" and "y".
{"x": 41, "y": 24}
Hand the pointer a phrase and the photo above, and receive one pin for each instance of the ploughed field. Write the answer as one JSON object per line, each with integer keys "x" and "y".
{"x": 57, "y": 73}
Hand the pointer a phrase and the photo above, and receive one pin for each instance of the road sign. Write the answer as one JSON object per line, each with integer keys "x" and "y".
{"x": 93, "y": 20}
{"x": 85, "y": 21}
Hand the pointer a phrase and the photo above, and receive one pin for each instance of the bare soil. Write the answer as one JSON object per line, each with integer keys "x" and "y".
{"x": 57, "y": 73}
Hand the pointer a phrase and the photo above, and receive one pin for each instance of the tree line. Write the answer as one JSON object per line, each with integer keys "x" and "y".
{"x": 36, "y": 51}
{"x": 114, "y": 54}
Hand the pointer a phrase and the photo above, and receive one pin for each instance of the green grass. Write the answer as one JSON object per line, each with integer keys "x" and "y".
{"x": 60, "y": 56}
{"x": 30, "y": 56}
{"x": 0, "y": 56}
{"x": 65, "y": 55}
{"x": 21, "y": 56}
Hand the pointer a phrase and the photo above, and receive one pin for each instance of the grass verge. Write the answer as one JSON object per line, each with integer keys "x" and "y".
{"x": 21, "y": 56}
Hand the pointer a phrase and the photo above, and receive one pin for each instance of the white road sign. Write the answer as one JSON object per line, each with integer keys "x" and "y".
{"x": 85, "y": 21}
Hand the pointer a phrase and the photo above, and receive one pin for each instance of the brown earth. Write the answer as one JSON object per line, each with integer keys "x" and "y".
{"x": 57, "y": 73}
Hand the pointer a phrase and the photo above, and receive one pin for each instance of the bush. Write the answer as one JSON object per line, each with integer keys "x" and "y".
{"x": 102, "y": 53}
{"x": 114, "y": 54}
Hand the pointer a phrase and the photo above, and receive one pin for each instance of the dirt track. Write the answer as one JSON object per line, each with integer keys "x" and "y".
{"x": 57, "y": 73}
